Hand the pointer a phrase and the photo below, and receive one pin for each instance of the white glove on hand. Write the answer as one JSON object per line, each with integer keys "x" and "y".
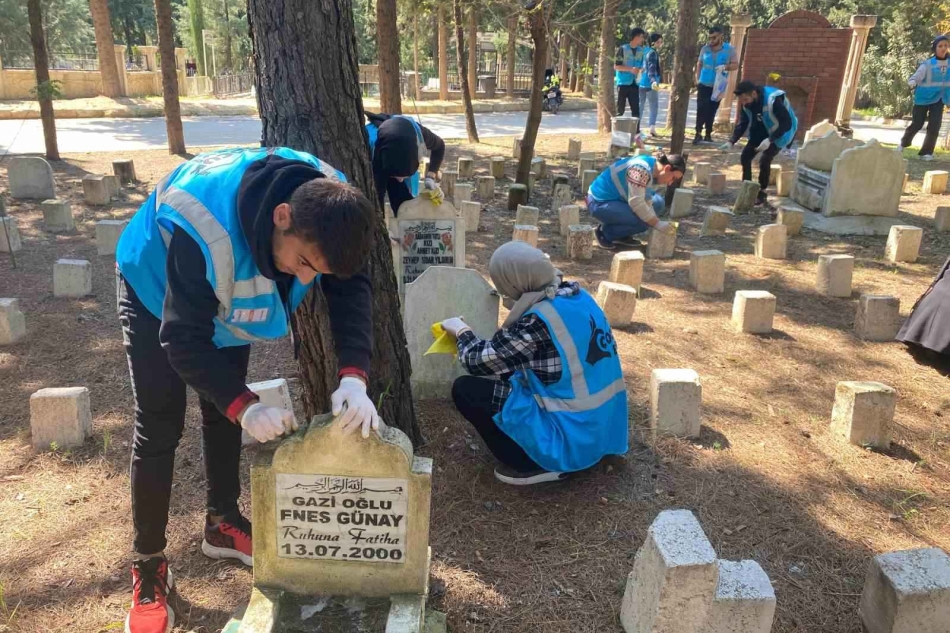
{"x": 455, "y": 326}
{"x": 654, "y": 86}
{"x": 265, "y": 423}
{"x": 912, "y": 83}
{"x": 725, "y": 147}
{"x": 664, "y": 227}
{"x": 360, "y": 410}
{"x": 764, "y": 145}
{"x": 431, "y": 184}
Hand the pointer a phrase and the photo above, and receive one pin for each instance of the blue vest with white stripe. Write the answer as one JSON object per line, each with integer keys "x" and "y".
{"x": 643, "y": 81}
{"x": 572, "y": 424}
{"x": 935, "y": 86}
{"x": 769, "y": 120}
{"x": 709, "y": 59}
{"x": 611, "y": 184}
{"x": 200, "y": 197}
{"x": 373, "y": 131}
{"x": 632, "y": 57}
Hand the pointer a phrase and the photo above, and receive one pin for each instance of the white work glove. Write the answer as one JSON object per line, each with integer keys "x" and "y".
{"x": 725, "y": 147}
{"x": 764, "y": 145}
{"x": 433, "y": 191}
{"x": 664, "y": 227}
{"x": 265, "y": 423}
{"x": 455, "y": 326}
{"x": 654, "y": 86}
{"x": 912, "y": 83}
{"x": 360, "y": 410}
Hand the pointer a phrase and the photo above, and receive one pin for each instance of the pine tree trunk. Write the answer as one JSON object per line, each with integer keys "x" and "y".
{"x": 228, "y": 60}
{"x": 683, "y": 64}
{"x": 166, "y": 51}
{"x": 607, "y": 104}
{"x": 539, "y": 35}
{"x": 473, "y": 49}
{"x": 443, "y": 55}
{"x": 467, "y": 87}
{"x": 388, "y": 42}
{"x": 576, "y": 65}
{"x": 565, "y": 55}
{"x": 415, "y": 55}
{"x": 512, "y": 54}
{"x": 43, "y": 86}
{"x": 580, "y": 75}
{"x": 314, "y": 44}
{"x": 589, "y": 75}
{"x": 105, "y": 47}
{"x": 196, "y": 11}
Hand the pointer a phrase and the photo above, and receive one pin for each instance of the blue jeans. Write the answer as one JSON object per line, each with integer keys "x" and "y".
{"x": 617, "y": 219}
{"x": 648, "y": 95}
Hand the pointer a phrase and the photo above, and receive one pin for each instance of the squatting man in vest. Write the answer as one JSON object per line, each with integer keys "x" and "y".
{"x": 771, "y": 124}
{"x": 219, "y": 256}
{"x": 546, "y": 392}
{"x": 931, "y": 86}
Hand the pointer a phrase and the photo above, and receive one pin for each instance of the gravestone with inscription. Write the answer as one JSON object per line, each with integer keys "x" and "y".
{"x": 428, "y": 235}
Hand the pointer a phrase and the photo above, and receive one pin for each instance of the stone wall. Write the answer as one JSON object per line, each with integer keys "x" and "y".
{"x": 75, "y": 84}
{"x": 144, "y": 84}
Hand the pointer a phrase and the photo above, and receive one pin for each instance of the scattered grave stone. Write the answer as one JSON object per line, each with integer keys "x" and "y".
{"x": 466, "y": 167}
{"x": 587, "y": 179}
{"x": 583, "y": 165}
{"x": 31, "y": 178}
{"x": 589, "y": 155}
{"x": 627, "y": 268}
{"x": 745, "y": 199}
{"x": 580, "y": 241}
{"x": 517, "y": 195}
{"x": 878, "y": 317}
{"x": 567, "y": 215}
{"x": 771, "y": 241}
{"x": 10, "y": 241}
{"x": 562, "y": 195}
{"x": 716, "y": 221}
{"x": 716, "y": 183}
{"x": 463, "y": 193}
{"x": 273, "y": 393}
{"x": 525, "y": 233}
{"x": 745, "y": 599}
{"x": 791, "y": 218}
{"x": 516, "y": 149}
{"x": 498, "y": 167}
{"x": 486, "y": 188}
{"x": 863, "y": 412}
{"x": 531, "y": 178}
{"x": 941, "y": 220}
{"x": 903, "y": 243}
{"x": 96, "y": 190}
{"x": 618, "y": 144}
{"x": 559, "y": 179}
{"x": 707, "y": 271}
{"x": 753, "y": 311}
{"x": 618, "y": 301}
{"x": 112, "y": 182}
{"x": 661, "y": 245}
{"x": 682, "y": 203}
{"x": 904, "y": 186}
{"x": 472, "y": 212}
{"x": 907, "y": 592}
{"x": 675, "y": 398}
{"x": 108, "y": 233}
{"x": 626, "y": 124}
{"x": 539, "y": 167}
{"x": 701, "y": 171}
{"x": 428, "y": 236}
{"x": 573, "y": 149}
{"x": 935, "y": 182}
{"x": 820, "y": 129}
{"x": 783, "y": 186}
{"x": 12, "y": 322}
{"x": 72, "y": 278}
{"x": 834, "y": 275}
{"x": 124, "y": 170}
{"x": 774, "y": 172}
{"x": 527, "y": 215}
{"x": 60, "y": 416}
{"x": 57, "y": 216}
{"x": 449, "y": 180}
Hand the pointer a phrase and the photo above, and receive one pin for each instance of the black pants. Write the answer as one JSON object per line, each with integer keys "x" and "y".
{"x": 628, "y": 94}
{"x": 472, "y": 396}
{"x": 159, "y": 395}
{"x": 933, "y": 114}
{"x": 706, "y": 109}
{"x": 765, "y": 163}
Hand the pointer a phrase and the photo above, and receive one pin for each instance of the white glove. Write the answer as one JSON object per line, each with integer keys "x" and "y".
{"x": 432, "y": 191}
{"x": 455, "y": 326}
{"x": 664, "y": 227}
{"x": 360, "y": 411}
{"x": 431, "y": 184}
{"x": 265, "y": 423}
{"x": 725, "y": 147}
{"x": 654, "y": 86}
{"x": 912, "y": 83}
{"x": 764, "y": 145}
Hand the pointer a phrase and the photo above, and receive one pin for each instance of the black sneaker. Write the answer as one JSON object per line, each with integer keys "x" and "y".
{"x": 762, "y": 199}
{"x": 601, "y": 240}
{"x": 231, "y": 538}
{"x": 709, "y": 138}
{"x": 512, "y": 477}
{"x": 697, "y": 139}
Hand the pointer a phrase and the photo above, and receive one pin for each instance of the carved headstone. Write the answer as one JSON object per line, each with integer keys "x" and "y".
{"x": 428, "y": 236}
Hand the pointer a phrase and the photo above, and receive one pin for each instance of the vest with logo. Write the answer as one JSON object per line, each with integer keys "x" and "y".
{"x": 373, "y": 131}
{"x": 709, "y": 59}
{"x": 200, "y": 197}
{"x": 643, "y": 81}
{"x": 936, "y": 84}
{"x": 768, "y": 119}
{"x": 632, "y": 57}
{"x": 611, "y": 184}
{"x": 571, "y": 424}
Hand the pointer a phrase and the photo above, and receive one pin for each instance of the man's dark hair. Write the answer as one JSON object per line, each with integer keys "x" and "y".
{"x": 745, "y": 87}
{"x": 338, "y": 218}
{"x": 636, "y": 32}
{"x": 655, "y": 37}
{"x": 715, "y": 29}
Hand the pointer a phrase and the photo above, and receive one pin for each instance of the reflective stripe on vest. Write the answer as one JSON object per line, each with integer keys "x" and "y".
{"x": 630, "y": 58}
{"x": 935, "y": 86}
{"x": 616, "y": 175}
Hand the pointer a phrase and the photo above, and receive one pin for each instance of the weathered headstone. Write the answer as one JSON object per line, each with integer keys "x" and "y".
{"x": 716, "y": 183}
{"x": 124, "y": 170}
{"x": 498, "y": 167}
{"x": 562, "y": 195}
{"x": 792, "y": 218}
{"x": 783, "y": 185}
{"x": 584, "y": 164}
{"x": 774, "y": 171}
{"x": 587, "y": 179}
{"x": 472, "y": 212}
{"x": 12, "y": 322}
{"x": 701, "y": 171}
{"x": 466, "y": 167}
{"x": 96, "y": 190}
{"x": 819, "y": 129}
{"x": 745, "y": 599}
{"x": 935, "y": 182}
{"x": 707, "y": 271}
{"x": 745, "y": 199}
{"x": 753, "y": 311}
{"x": 618, "y": 301}
{"x": 539, "y": 167}
{"x": 675, "y": 399}
{"x": 449, "y": 180}
{"x": 559, "y": 179}
{"x": 863, "y": 412}
{"x": 573, "y": 149}
{"x": 903, "y": 243}
{"x": 525, "y": 233}
{"x": 834, "y": 275}
{"x": 31, "y": 178}
{"x": 580, "y": 241}
{"x": 878, "y": 317}
{"x": 627, "y": 268}
{"x": 716, "y": 221}
{"x": 618, "y": 144}
{"x": 682, "y": 203}
{"x": 531, "y": 179}
{"x": 112, "y": 182}
{"x": 516, "y": 149}
{"x": 463, "y": 193}
{"x": 428, "y": 236}
{"x": 10, "y": 241}
{"x": 626, "y": 124}
{"x": 941, "y": 220}
{"x": 527, "y": 215}
{"x": 57, "y": 216}
{"x": 517, "y": 195}
{"x": 771, "y": 241}
{"x": 108, "y": 233}
{"x": 907, "y": 592}
{"x": 72, "y": 278}
{"x": 661, "y": 245}
{"x": 486, "y": 188}
{"x": 273, "y": 393}
{"x": 60, "y": 416}
{"x": 567, "y": 215}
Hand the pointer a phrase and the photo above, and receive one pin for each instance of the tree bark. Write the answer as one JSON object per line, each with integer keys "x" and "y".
{"x": 196, "y": 11}
{"x": 683, "y": 64}
{"x": 537, "y": 22}
{"x": 607, "y": 103}
{"x": 443, "y": 55}
{"x": 415, "y": 55}
{"x": 512, "y": 54}
{"x": 575, "y": 65}
{"x": 44, "y": 90}
{"x": 313, "y": 44}
{"x": 105, "y": 47}
{"x": 580, "y": 75}
{"x": 467, "y": 89}
{"x": 388, "y": 42}
{"x": 228, "y": 59}
{"x": 472, "y": 48}
{"x": 166, "y": 51}
{"x": 565, "y": 54}
{"x": 589, "y": 75}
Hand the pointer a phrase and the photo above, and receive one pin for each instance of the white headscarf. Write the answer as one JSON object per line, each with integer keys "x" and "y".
{"x": 524, "y": 274}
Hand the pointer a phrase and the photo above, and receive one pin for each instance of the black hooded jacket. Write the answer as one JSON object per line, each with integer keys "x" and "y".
{"x": 397, "y": 154}
{"x": 759, "y": 133}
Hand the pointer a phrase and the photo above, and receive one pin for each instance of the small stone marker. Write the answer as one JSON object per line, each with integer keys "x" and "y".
{"x": 96, "y": 190}
{"x": 57, "y": 216}
{"x": 941, "y": 220}
{"x": 792, "y": 218}
{"x": 904, "y": 186}
{"x": 834, "y": 275}
{"x": 124, "y": 170}
{"x": 716, "y": 183}
{"x": 486, "y": 188}
{"x": 531, "y": 178}
{"x": 584, "y": 164}
{"x": 525, "y": 233}
{"x": 626, "y": 124}
{"x": 618, "y": 144}
{"x": 590, "y": 155}
{"x": 562, "y": 195}
{"x": 682, "y": 203}
{"x": 449, "y": 180}
{"x": 8, "y": 227}
{"x": 627, "y": 268}
{"x": 538, "y": 167}
{"x": 466, "y": 167}
{"x": 72, "y": 278}
{"x": 745, "y": 599}
{"x": 559, "y": 179}
{"x": 774, "y": 171}
{"x": 907, "y": 592}
{"x": 428, "y": 236}
{"x": 745, "y": 199}
{"x": 12, "y": 322}
{"x": 517, "y": 195}
{"x": 863, "y": 412}
{"x": 618, "y": 301}
{"x": 771, "y": 241}
{"x": 112, "y": 182}
{"x": 903, "y": 243}
{"x": 701, "y": 172}
{"x": 878, "y": 317}
{"x": 661, "y": 245}
{"x": 935, "y": 182}
{"x": 273, "y": 393}
{"x": 527, "y": 215}
{"x": 61, "y": 416}
{"x": 716, "y": 221}
{"x": 472, "y": 212}
{"x": 108, "y": 233}
{"x": 587, "y": 179}
{"x": 783, "y": 186}
{"x": 31, "y": 178}
{"x": 573, "y": 149}
{"x": 580, "y": 241}
{"x": 675, "y": 398}
{"x": 498, "y": 167}
{"x": 463, "y": 193}
{"x": 516, "y": 149}
{"x": 753, "y": 311}
{"x": 707, "y": 271}
{"x": 567, "y": 215}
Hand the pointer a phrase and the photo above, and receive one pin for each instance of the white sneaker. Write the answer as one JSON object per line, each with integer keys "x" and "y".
{"x": 927, "y": 157}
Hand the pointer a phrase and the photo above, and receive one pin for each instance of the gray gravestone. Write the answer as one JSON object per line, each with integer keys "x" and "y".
{"x": 31, "y": 177}
{"x": 428, "y": 236}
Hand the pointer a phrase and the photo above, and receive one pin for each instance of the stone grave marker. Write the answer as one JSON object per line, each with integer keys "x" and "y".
{"x": 626, "y": 124}
{"x": 527, "y": 215}
{"x": 587, "y": 179}
{"x": 907, "y": 592}
{"x": 745, "y": 199}
{"x": 449, "y": 180}
{"x": 834, "y": 275}
{"x": 627, "y": 268}
{"x": 486, "y": 188}
{"x": 562, "y": 196}
{"x": 12, "y": 322}
{"x": 463, "y": 193}
{"x": 783, "y": 186}
{"x": 96, "y": 190}
{"x": 466, "y": 167}
{"x": 774, "y": 172}
{"x": 675, "y": 398}
{"x": 124, "y": 170}
{"x": 573, "y": 149}
{"x": 864, "y": 412}
{"x": 539, "y": 167}
{"x": 941, "y": 221}
{"x": 661, "y": 245}
{"x": 701, "y": 171}
{"x": 525, "y": 233}
{"x": 58, "y": 216}
{"x": 707, "y": 271}
{"x": 498, "y": 167}
{"x": 753, "y": 311}
{"x": 771, "y": 241}
{"x": 428, "y": 236}
{"x": 618, "y": 301}
{"x": 61, "y": 416}
{"x": 878, "y": 317}
{"x": 716, "y": 221}
{"x": 903, "y": 243}
{"x": 716, "y": 183}
{"x": 472, "y": 212}
{"x": 108, "y": 233}
{"x": 72, "y": 278}
{"x": 517, "y": 195}
{"x": 31, "y": 178}
{"x": 567, "y": 215}
{"x": 580, "y": 241}
{"x": 516, "y": 149}
{"x": 935, "y": 182}
{"x": 682, "y": 203}
{"x": 792, "y": 218}
{"x": 584, "y": 164}
{"x": 10, "y": 241}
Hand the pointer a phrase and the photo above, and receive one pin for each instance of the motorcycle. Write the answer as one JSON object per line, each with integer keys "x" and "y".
{"x": 551, "y": 102}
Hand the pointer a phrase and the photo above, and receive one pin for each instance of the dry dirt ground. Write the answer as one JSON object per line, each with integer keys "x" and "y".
{"x": 766, "y": 478}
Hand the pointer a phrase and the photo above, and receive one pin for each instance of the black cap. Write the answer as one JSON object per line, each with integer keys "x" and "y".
{"x": 636, "y": 31}
{"x": 745, "y": 87}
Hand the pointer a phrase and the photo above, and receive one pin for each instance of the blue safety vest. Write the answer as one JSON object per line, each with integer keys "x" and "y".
{"x": 200, "y": 196}
{"x": 611, "y": 184}
{"x": 709, "y": 59}
{"x": 935, "y": 86}
{"x": 643, "y": 81}
{"x": 769, "y": 120}
{"x": 632, "y": 57}
{"x": 373, "y": 131}
{"x": 572, "y": 424}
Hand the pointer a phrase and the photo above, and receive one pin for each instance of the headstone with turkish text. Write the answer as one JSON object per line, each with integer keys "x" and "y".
{"x": 428, "y": 235}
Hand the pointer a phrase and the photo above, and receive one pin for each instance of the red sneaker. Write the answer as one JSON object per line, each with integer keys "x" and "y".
{"x": 231, "y": 538}
{"x": 151, "y": 583}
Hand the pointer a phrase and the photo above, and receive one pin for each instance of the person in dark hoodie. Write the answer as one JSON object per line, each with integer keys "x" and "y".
{"x": 397, "y": 145}
{"x": 219, "y": 256}
{"x": 926, "y": 332}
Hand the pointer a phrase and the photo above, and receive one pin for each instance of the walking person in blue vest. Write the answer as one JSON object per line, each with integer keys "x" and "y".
{"x": 397, "y": 145}
{"x": 931, "y": 85}
{"x": 627, "y": 67}
{"x": 546, "y": 392}
{"x": 219, "y": 256}
{"x": 649, "y": 81}
{"x": 771, "y": 123}
{"x": 716, "y": 60}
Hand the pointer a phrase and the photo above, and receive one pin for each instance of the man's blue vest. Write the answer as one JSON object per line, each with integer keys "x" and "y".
{"x": 611, "y": 184}
{"x": 768, "y": 119}
{"x": 709, "y": 59}
{"x": 643, "y": 81}
{"x": 935, "y": 86}
{"x": 200, "y": 197}
{"x": 373, "y": 131}
{"x": 572, "y": 424}
{"x": 632, "y": 57}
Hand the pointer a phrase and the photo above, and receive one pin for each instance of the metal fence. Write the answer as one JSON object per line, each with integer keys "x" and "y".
{"x": 230, "y": 85}
{"x": 430, "y": 71}
{"x": 57, "y": 61}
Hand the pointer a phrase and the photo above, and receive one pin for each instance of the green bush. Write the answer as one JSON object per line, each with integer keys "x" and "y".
{"x": 885, "y": 72}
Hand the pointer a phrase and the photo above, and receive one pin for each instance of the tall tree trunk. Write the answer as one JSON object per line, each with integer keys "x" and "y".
{"x": 44, "y": 90}
{"x": 565, "y": 54}
{"x": 313, "y": 44}
{"x": 105, "y": 47}
{"x": 196, "y": 10}
{"x": 390, "y": 100}
{"x": 683, "y": 64}
{"x": 472, "y": 48}
{"x": 166, "y": 52}
{"x": 537, "y": 22}
{"x": 580, "y": 75}
{"x": 589, "y": 75}
{"x": 575, "y": 64}
{"x": 415, "y": 54}
{"x": 228, "y": 60}
{"x": 467, "y": 87}
{"x": 443, "y": 55}
{"x": 607, "y": 103}
{"x": 128, "y": 38}
{"x": 512, "y": 54}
